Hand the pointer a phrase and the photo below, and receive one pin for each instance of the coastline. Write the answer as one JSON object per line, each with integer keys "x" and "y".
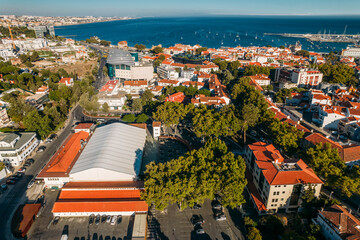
{"x": 112, "y": 20}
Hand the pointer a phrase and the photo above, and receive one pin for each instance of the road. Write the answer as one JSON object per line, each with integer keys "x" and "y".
{"x": 16, "y": 194}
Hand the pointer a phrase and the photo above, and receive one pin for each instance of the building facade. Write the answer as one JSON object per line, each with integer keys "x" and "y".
{"x": 15, "y": 148}
{"x": 277, "y": 184}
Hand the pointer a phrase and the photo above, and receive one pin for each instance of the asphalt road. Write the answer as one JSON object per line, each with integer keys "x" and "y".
{"x": 16, "y": 194}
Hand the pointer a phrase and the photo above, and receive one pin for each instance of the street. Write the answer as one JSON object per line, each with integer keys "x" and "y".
{"x": 16, "y": 194}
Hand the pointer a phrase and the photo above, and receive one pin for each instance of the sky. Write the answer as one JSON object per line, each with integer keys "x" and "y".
{"x": 158, "y": 8}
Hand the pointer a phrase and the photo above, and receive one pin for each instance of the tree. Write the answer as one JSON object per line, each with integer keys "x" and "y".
{"x": 251, "y": 70}
{"x": 253, "y": 234}
{"x": 34, "y": 57}
{"x": 197, "y": 176}
{"x": 170, "y": 114}
{"x": 303, "y": 53}
{"x": 157, "y": 50}
{"x": 272, "y": 225}
{"x": 221, "y": 63}
{"x": 34, "y": 122}
{"x": 140, "y": 47}
{"x": 250, "y": 116}
{"x": 142, "y": 118}
{"x": 190, "y": 91}
{"x": 146, "y": 97}
{"x": 338, "y": 73}
{"x": 136, "y": 105}
{"x": 200, "y": 49}
{"x": 205, "y": 92}
{"x": 105, "y": 107}
{"x": 105, "y": 43}
{"x": 129, "y": 118}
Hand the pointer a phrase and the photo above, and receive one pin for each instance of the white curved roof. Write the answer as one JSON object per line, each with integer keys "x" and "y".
{"x": 115, "y": 148}
{"x": 118, "y": 56}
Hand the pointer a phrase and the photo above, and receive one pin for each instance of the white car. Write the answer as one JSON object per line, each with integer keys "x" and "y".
{"x": 31, "y": 183}
{"x": 113, "y": 220}
{"x": 221, "y": 217}
{"x": 108, "y": 219}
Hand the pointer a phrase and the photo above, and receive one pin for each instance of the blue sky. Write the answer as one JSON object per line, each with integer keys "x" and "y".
{"x": 140, "y": 8}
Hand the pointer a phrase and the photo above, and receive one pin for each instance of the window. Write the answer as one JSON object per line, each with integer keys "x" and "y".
{"x": 283, "y": 192}
{"x": 127, "y": 67}
{"x": 276, "y": 193}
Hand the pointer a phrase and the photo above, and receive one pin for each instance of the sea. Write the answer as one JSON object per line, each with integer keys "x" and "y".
{"x": 218, "y": 31}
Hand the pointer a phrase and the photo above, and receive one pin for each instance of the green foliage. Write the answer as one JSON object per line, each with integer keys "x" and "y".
{"x": 17, "y": 31}
{"x": 197, "y": 176}
{"x": 129, "y": 118}
{"x": 33, "y": 121}
{"x": 303, "y": 53}
{"x": 2, "y": 166}
{"x": 157, "y": 50}
{"x": 170, "y": 113}
{"x": 92, "y": 40}
{"x": 90, "y": 104}
{"x": 140, "y": 47}
{"x": 146, "y": 97}
{"x": 204, "y": 92}
{"x": 200, "y": 49}
{"x": 285, "y": 136}
{"x": 105, "y": 107}
{"x": 105, "y": 43}
{"x": 252, "y": 70}
{"x": 271, "y": 225}
{"x": 338, "y": 73}
{"x": 221, "y": 63}
{"x": 253, "y": 234}
{"x": 142, "y": 118}
{"x": 190, "y": 91}
{"x": 136, "y": 105}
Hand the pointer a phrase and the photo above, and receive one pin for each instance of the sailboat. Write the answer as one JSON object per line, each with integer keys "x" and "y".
{"x": 256, "y": 36}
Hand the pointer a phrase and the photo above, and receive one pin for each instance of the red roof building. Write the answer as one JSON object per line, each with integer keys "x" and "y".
{"x": 176, "y": 97}
{"x": 67, "y": 81}
{"x": 56, "y": 172}
{"x": 278, "y": 181}
{"x": 111, "y": 198}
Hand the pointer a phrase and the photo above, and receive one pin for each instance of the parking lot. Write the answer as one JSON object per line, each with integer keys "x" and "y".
{"x": 176, "y": 224}
{"x": 79, "y": 227}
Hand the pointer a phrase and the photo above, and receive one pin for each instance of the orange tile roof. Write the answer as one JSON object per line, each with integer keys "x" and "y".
{"x": 156, "y": 124}
{"x": 114, "y": 185}
{"x": 317, "y": 138}
{"x": 259, "y": 203}
{"x": 64, "y": 159}
{"x": 28, "y": 213}
{"x": 135, "y": 83}
{"x": 84, "y": 126}
{"x": 116, "y": 206}
{"x": 267, "y": 156}
{"x": 139, "y": 125}
{"x": 99, "y": 194}
{"x": 167, "y": 81}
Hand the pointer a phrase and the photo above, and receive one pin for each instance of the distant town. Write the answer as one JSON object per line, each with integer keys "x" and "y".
{"x": 32, "y": 21}
{"x": 103, "y": 140}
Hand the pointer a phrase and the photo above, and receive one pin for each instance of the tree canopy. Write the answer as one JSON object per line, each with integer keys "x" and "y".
{"x": 196, "y": 176}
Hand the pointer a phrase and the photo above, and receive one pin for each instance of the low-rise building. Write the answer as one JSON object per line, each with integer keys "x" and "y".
{"x": 277, "y": 184}
{"x": 135, "y": 87}
{"x": 176, "y": 97}
{"x": 261, "y": 79}
{"x": 69, "y": 82}
{"x": 338, "y": 224}
{"x": 56, "y": 173}
{"x": 15, "y": 148}
{"x": 156, "y": 129}
{"x": 4, "y": 118}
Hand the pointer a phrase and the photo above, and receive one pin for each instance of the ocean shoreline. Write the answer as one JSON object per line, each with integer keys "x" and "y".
{"x": 113, "y": 20}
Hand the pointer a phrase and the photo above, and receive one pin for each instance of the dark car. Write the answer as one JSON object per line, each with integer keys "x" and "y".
{"x": 91, "y": 219}
{"x": 30, "y": 160}
{"x": 103, "y": 218}
{"x": 196, "y": 206}
{"x": 22, "y": 170}
{"x": 56, "y": 220}
{"x": 119, "y": 218}
{"x": 4, "y": 186}
{"x": 10, "y": 182}
{"x": 18, "y": 175}
{"x": 41, "y": 149}
{"x": 26, "y": 164}
{"x": 97, "y": 220}
{"x": 13, "y": 178}
{"x": 197, "y": 220}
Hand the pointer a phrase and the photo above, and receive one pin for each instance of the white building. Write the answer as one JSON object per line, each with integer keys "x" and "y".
{"x": 135, "y": 87}
{"x": 125, "y": 66}
{"x": 351, "y": 52}
{"x": 261, "y": 79}
{"x": 167, "y": 72}
{"x": 156, "y": 129}
{"x": 114, "y": 153}
{"x": 14, "y": 148}
{"x": 328, "y": 118}
{"x": 338, "y": 224}
{"x": 274, "y": 183}
{"x": 4, "y": 118}
{"x": 306, "y": 78}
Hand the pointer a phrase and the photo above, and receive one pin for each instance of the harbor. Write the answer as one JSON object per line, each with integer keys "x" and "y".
{"x": 344, "y": 38}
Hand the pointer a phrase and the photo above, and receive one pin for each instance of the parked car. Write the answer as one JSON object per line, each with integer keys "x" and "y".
{"x": 22, "y": 170}
{"x": 56, "y": 220}
{"x": 26, "y": 164}
{"x": 49, "y": 140}
{"x": 119, "y": 218}
{"x": 197, "y": 220}
{"x": 103, "y": 218}
{"x": 10, "y": 182}
{"x": 221, "y": 217}
{"x": 196, "y": 206}
{"x": 113, "y": 220}
{"x": 30, "y": 160}
{"x": 217, "y": 206}
{"x": 18, "y": 175}
{"x": 108, "y": 219}
{"x": 97, "y": 220}
{"x": 31, "y": 183}
{"x": 200, "y": 231}
{"x": 41, "y": 149}
{"x": 13, "y": 178}
{"x": 91, "y": 219}
{"x": 4, "y": 186}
